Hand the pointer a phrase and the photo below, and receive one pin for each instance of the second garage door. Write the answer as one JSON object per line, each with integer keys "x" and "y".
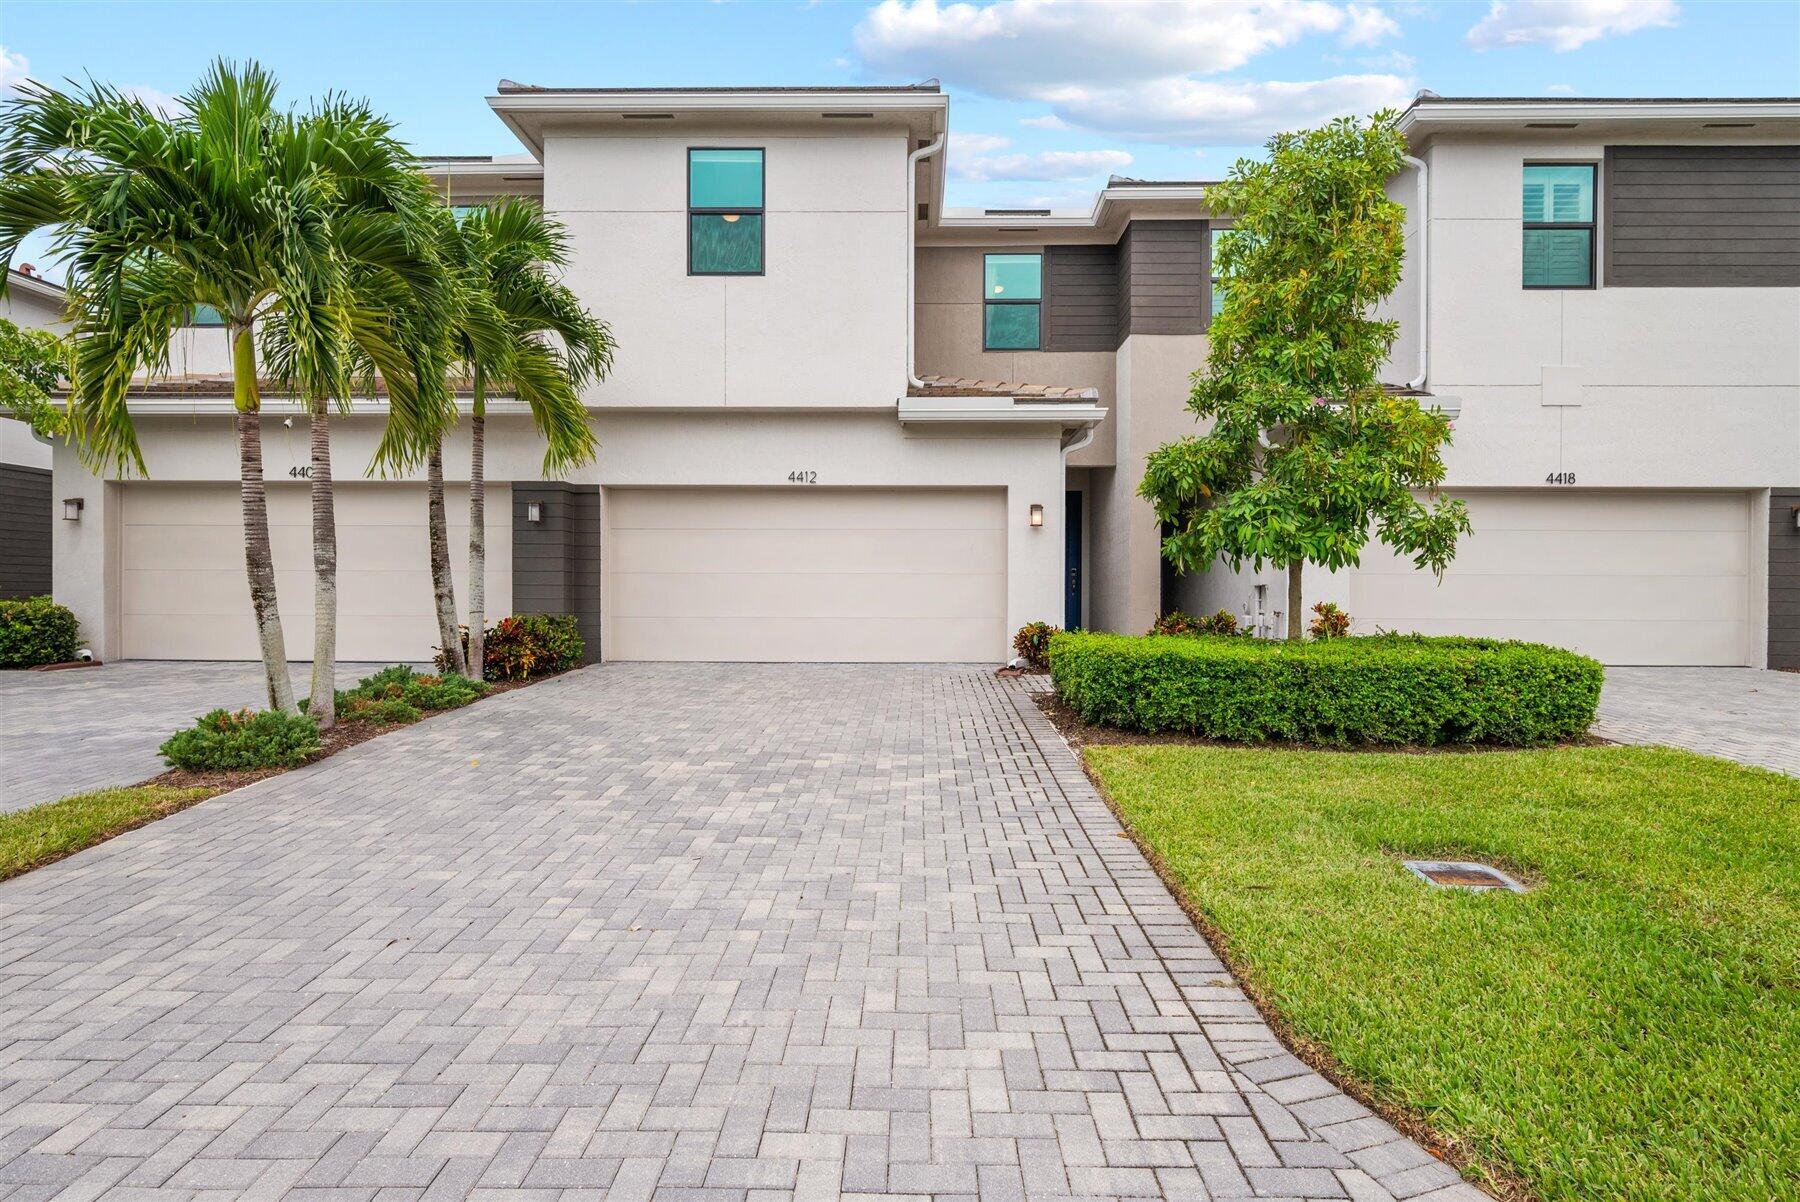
{"x": 1626, "y": 577}
{"x": 869, "y": 575}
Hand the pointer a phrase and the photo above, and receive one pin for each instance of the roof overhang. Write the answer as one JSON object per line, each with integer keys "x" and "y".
{"x": 31, "y": 285}
{"x": 1777, "y": 116}
{"x": 999, "y": 410}
{"x": 530, "y": 114}
{"x": 1113, "y": 206}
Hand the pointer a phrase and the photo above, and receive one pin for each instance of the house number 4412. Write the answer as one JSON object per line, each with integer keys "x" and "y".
{"x": 803, "y": 477}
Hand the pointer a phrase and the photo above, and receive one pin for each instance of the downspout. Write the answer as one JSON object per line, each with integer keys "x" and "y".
{"x": 912, "y": 256}
{"x": 1424, "y": 207}
{"x": 1085, "y": 436}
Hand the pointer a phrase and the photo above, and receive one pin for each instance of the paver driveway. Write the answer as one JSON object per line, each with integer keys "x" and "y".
{"x": 1743, "y": 714}
{"x": 682, "y": 931}
{"x": 93, "y": 728}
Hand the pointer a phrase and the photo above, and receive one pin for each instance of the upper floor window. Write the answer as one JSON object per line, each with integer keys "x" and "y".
{"x": 205, "y": 315}
{"x": 1012, "y": 303}
{"x": 725, "y": 212}
{"x": 1559, "y": 225}
{"x": 1217, "y": 282}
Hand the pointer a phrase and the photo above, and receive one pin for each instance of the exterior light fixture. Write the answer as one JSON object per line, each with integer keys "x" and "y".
{"x": 731, "y": 218}
{"x": 534, "y": 511}
{"x": 1796, "y": 516}
{"x": 72, "y": 509}
{"x": 1037, "y": 515}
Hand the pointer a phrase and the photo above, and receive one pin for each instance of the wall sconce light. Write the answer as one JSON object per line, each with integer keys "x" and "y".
{"x": 72, "y": 509}
{"x": 1797, "y": 517}
{"x": 534, "y": 511}
{"x": 1037, "y": 515}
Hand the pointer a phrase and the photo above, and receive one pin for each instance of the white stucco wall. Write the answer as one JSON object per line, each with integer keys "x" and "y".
{"x": 824, "y": 325}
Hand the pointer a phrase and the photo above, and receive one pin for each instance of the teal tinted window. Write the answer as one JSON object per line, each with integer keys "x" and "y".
{"x": 1015, "y": 277}
{"x": 1013, "y": 289}
{"x": 1216, "y": 233}
{"x": 1012, "y": 327}
{"x": 1558, "y": 212}
{"x": 726, "y": 243}
{"x": 725, "y": 179}
{"x": 205, "y": 315}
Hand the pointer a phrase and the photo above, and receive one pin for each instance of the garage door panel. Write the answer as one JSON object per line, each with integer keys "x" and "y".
{"x": 888, "y": 552}
{"x": 787, "y": 640}
{"x": 1627, "y": 578}
{"x": 876, "y": 575}
{"x": 807, "y": 595}
{"x": 184, "y": 596}
{"x": 800, "y": 508}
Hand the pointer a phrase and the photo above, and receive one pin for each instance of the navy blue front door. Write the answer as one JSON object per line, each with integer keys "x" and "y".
{"x": 1071, "y": 561}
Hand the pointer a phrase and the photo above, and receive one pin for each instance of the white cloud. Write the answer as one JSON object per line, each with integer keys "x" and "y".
{"x": 1045, "y": 166}
{"x": 15, "y": 69}
{"x": 1202, "y": 112}
{"x": 160, "y": 103}
{"x": 1011, "y": 47}
{"x": 1047, "y": 121}
{"x": 1559, "y": 89}
{"x": 972, "y": 143}
{"x": 1566, "y": 25}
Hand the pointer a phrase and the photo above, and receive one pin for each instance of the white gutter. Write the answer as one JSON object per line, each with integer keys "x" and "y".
{"x": 1080, "y": 440}
{"x": 912, "y": 256}
{"x": 1418, "y": 381}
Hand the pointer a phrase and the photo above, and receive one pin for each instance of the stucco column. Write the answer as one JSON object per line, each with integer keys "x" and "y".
{"x": 85, "y": 553}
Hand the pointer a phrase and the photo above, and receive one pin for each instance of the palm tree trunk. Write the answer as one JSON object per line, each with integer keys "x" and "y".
{"x": 259, "y": 558}
{"x": 477, "y": 532}
{"x": 1295, "y": 632}
{"x": 323, "y": 706}
{"x": 443, "y": 587}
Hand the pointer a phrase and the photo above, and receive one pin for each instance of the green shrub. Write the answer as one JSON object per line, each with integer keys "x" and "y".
{"x": 527, "y": 645}
{"x": 1176, "y": 622}
{"x": 1032, "y": 643}
{"x": 246, "y": 739}
{"x": 1329, "y": 622}
{"x": 399, "y": 694}
{"x": 36, "y": 630}
{"x": 1394, "y": 689}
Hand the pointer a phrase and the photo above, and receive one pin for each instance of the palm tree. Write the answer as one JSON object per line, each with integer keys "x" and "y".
{"x": 257, "y": 212}
{"x": 517, "y": 329}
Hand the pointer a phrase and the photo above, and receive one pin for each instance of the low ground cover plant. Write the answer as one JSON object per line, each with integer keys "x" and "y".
{"x": 36, "y": 630}
{"x": 227, "y": 741}
{"x": 1032, "y": 643}
{"x": 1380, "y": 689}
{"x": 399, "y": 694}
{"x": 527, "y": 645}
{"x": 1627, "y": 1029}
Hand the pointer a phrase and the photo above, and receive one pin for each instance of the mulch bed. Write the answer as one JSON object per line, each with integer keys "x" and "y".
{"x": 340, "y": 737}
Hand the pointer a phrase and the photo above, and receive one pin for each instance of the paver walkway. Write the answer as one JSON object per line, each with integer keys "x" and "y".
{"x": 657, "y": 931}
{"x": 92, "y": 728}
{"x": 1740, "y": 714}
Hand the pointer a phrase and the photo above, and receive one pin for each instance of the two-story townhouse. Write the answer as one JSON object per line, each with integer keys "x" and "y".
{"x": 1605, "y": 294}
{"x": 847, "y": 423}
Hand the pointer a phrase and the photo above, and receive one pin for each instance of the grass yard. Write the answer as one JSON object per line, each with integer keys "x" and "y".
{"x": 34, "y": 837}
{"x": 1629, "y": 1030}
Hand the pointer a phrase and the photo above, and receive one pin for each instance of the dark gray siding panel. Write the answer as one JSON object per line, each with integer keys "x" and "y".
{"x": 1162, "y": 278}
{"x": 556, "y": 562}
{"x": 1784, "y": 579}
{"x": 1702, "y": 216}
{"x": 25, "y": 517}
{"x": 1081, "y": 298}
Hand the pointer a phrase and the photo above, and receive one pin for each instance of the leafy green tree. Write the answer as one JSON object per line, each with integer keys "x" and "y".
{"x": 1308, "y": 455}
{"x": 231, "y": 202}
{"x": 516, "y": 329}
{"x": 31, "y": 362}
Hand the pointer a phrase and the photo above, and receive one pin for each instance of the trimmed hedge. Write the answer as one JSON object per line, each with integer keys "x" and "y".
{"x": 36, "y": 630}
{"x": 1387, "y": 689}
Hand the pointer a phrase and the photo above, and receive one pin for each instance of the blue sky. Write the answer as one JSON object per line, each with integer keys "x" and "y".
{"x": 1047, "y": 96}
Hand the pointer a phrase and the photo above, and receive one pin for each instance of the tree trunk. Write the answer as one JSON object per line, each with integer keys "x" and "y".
{"x": 477, "y": 531}
{"x": 443, "y": 587}
{"x": 259, "y": 559}
{"x": 1295, "y": 631}
{"x": 323, "y": 706}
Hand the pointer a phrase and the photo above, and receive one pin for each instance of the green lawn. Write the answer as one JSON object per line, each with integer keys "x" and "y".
{"x": 1629, "y": 1030}
{"x": 53, "y": 830}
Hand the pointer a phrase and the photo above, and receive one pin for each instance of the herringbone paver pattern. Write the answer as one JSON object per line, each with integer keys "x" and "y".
{"x": 657, "y": 931}
{"x": 1743, "y": 714}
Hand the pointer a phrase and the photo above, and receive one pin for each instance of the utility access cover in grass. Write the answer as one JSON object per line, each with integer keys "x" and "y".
{"x": 1462, "y": 874}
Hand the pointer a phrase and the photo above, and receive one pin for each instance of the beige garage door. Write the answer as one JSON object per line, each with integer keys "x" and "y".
{"x": 1629, "y": 578}
{"x": 183, "y": 594}
{"x": 900, "y": 575}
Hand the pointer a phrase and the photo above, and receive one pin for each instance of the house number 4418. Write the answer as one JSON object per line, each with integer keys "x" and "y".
{"x": 1560, "y": 478}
